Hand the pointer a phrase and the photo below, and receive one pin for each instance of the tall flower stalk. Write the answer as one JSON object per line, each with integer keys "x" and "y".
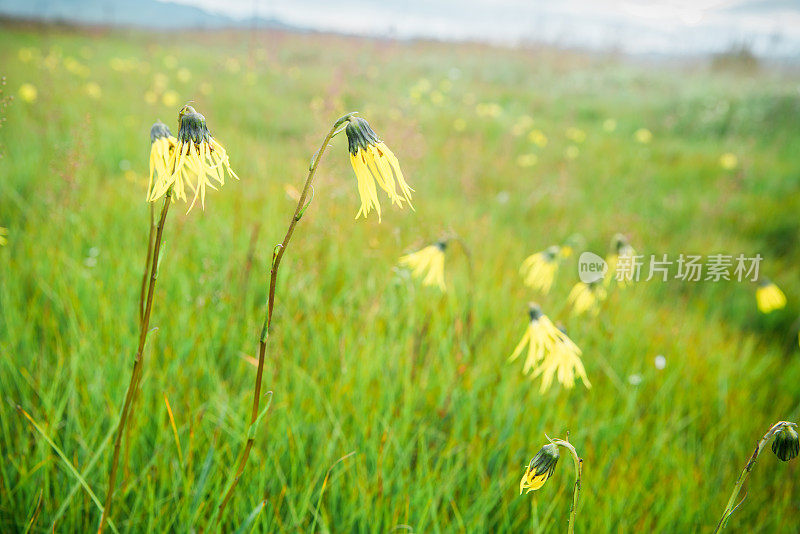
{"x": 786, "y": 446}
{"x": 373, "y": 164}
{"x": 198, "y": 153}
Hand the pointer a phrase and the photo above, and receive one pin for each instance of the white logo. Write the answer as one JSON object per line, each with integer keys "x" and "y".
{"x": 591, "y": 267}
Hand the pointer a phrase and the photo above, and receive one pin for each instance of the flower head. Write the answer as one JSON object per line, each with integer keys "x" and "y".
{"x": 539, "y": 270}
{"x": 621, "y": 250}
{"x": 541, "y": 467}
{"x": 162, "y": 145}
{"x": 586, "y": 297}
{"x": 197, "y": 158}
{"x": 787, "y": 443}
{"x": 428, "y": 263}
{"x": 551, "y": 353}
{"x": 373, "y": 163}
{"x": 769, "y": 296}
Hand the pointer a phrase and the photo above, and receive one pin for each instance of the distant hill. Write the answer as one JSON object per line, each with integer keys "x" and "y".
{"x": 144, "y": 13}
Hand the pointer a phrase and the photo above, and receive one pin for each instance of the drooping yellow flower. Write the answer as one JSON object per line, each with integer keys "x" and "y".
{"x": 541, "y": 467}
{"x": 428, "y": 264}
{"x": 197, "y": 159}
{"x": 769, "y": 296}
{"x": 3, "y": 236}
{"x": 373, "y": 163}
{"x": 551, "y": 353}
{"x": 539, "y": 270}
{"x": 162, "y": 145}
{"x": 586, "y": 298}
{"x": 621, "y": 251}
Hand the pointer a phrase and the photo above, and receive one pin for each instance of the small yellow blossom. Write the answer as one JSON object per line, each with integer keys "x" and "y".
{"x": 538, "y": 138}
{"x": 576, "y": 135}
{"x": 170, "y": 62}
{"x": 609, "y": 125}
{"x": 93, "y": 90}
{"x": 527, "y": 160}
{"x": 769, "y": 296}
{"x": 541, "y": 467}
{"x": 150, "y": 97}
{"x": 586, "y": 298}
{"x": 539, "y": 270}
{"x": 572, "y": 152}
{"x": 643, "y": 135}
{"x": 728, "y": 161}
{"x": 170, "y": 98}
{"x": 459, "y": 125}
{"x": 551, "y": 354}
{"x": 26, "y": 54}
{"x": 184, "y": 75}
{"x": 428, "y": 264}
{"x": 197, "y": 157}
{"x": 620, "y": 262}
{"x": 162, "y": 145}
{"x": 373, "y": 163}
{"x": 3, "y": 236}
{"x": 488, "y": 109}
{"x": 28, "y": 93}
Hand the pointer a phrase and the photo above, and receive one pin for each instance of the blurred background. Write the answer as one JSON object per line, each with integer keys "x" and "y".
{"x": 520, "y": 125}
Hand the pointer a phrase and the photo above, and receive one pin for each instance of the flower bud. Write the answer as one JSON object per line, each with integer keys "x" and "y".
{"x": 786, "y": 444}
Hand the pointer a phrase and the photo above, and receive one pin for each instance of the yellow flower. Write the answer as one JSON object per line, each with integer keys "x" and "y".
{"x": 169, "y": 98}
{"x": 3, "y": 236}
{"x": 541, "y": 467}
{"x": 538, "y": 138}
{"x": 572, "y": 152}
{"x": 539, "y": 270}
{"x": 550, "y": 353}
{"x": 621, "y": 249}
{"x": 643, "y": 135}
{"x": 728, "y": 161}
{"x": 609, "y": 125}
{"x": 585, "y": 298}
{"x": 428, "y": 262}
{"x": 576, "y": 135}
{"x": 162, "y": 145}
{"x": 527, "y": 160}
{"x": 373, "y": 162}
{"x": 93, "y": 90}
{"x": 184, "y": 75}
{"x": 198, "y": 157}
{"x": 459, "y": 125}
{"x": 28, "y": 93}
{"x": 769, "y": 297}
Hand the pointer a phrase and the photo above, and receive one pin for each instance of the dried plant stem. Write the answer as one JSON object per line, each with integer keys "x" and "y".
{"x": 732, "y": 504}
{"x": 127, "y": 407}
{"x": 262, "y": 345}
{"x": 578, "y": 462}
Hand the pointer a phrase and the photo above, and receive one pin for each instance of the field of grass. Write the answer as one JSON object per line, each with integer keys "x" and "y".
{"x": 389, "y": 413}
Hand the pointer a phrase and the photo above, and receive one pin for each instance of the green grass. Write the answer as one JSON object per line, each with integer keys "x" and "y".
{"x": 365, "y": 365}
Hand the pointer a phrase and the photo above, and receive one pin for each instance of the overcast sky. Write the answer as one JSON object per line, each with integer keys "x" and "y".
{"x": 666, "y": 26}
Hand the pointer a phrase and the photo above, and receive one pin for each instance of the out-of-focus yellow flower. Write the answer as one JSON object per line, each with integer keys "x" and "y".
{"x": 170, "y": 98}
{"x": 523, "y": 123}
{"x": 527, "y": 160}
{"x": 3, "y": 236}
{"x": 445, "y": 85}
{"x": 170, "y": 62}
{"x": 162, "y": 145}
{"x": 576, "y": 135}
{"x": 621, "y": 250}
{"x": 609, "y": 125}
{"x": 551, "y": 354}
{"x": 541, "y": 467}
{"x": 205, "y": 88}
{"x": 197, "y": 157}
{"x": 75, "y": 67}
{"x": 93, "y": 90}
{"x": 373, "y": 162}
{"x": 769, "y": 296}
{"x": 437, "y": 97}
{"x": 572, "y": 152}
{"x": 488, "y": 109}
{"x": 586, "y": 298}
{"x": 539, "y": 270}
{"x": 28, "y": 93}
{"x": 160, "y": 81}
{"x": 150, "y": 97}
{"x": 184, "y": 75}
{"x": 538, "y": 138}
{"x": 459, "y": 125}
{"x": 728, "y": 161}
{"x": 428, "y": 264}
{"x": 26, "y": 54}
{"x": 643, "y": 135}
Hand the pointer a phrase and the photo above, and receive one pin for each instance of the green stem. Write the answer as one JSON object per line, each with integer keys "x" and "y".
{"x": 732, "y": 505}
{"x": 578, "y": 462}
{"x": 262, "y": 344}
{"x": 127, "y": 407}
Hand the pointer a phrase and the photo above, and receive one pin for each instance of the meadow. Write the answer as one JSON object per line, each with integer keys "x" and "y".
{"x": 391, "y": 409}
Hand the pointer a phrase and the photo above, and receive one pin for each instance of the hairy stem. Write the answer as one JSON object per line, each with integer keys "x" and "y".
{"x": 732, "y": 505}
{"x": 273, "y": 278}
{"x": 578, "y": 462}
{"x": 127, "y": 407}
